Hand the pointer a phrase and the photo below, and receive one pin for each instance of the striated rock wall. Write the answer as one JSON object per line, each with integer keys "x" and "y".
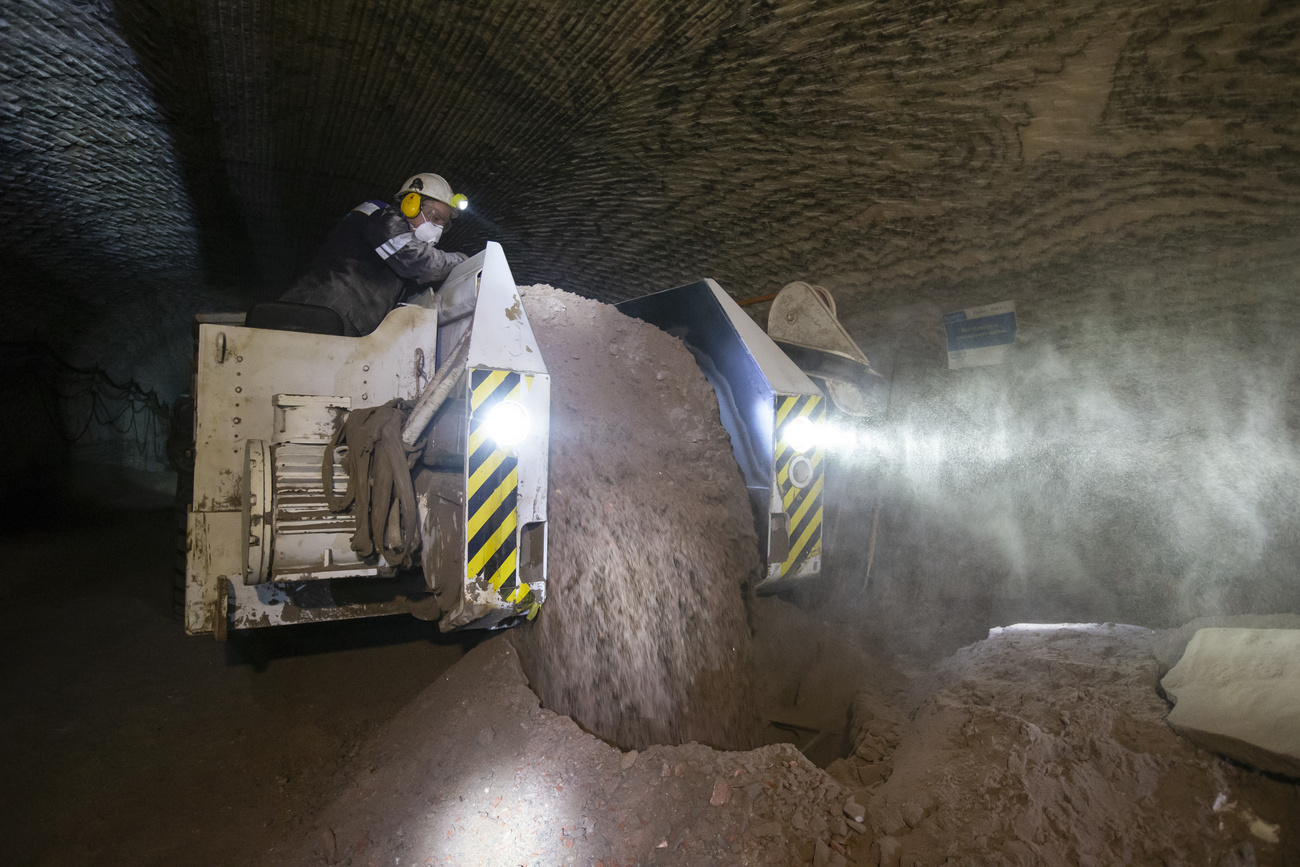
{"x": 1129, "y": 175}
{"x": 886, "y": 149}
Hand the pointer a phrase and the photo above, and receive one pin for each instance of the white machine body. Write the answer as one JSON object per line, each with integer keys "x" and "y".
{"x": 264, "y": 547}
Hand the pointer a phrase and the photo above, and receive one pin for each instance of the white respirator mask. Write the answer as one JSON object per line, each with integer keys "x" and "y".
{"x": 428, "y": 232}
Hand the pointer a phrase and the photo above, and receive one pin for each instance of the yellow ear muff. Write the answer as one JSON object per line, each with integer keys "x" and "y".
{"x": 411, "y": 204}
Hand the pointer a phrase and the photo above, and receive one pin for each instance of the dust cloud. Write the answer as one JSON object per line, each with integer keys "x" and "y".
{"x": 1134, "y": 463}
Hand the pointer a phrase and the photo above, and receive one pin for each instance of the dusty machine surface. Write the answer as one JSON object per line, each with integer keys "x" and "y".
{"x": 804, "y": 324}
{"x": 264, "y": 546}
{"x": 771, "y": 409}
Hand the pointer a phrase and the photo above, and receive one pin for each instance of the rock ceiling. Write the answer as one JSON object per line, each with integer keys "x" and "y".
{"x": 168, "y": 154}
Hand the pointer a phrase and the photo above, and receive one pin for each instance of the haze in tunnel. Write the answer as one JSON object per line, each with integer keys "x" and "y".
{"x": 1128, "y": 175}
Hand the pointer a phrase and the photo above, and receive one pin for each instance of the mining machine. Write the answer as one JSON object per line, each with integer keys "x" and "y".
{"x": 276, "y": 525}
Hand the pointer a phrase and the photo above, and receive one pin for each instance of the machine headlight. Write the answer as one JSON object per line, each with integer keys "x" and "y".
{"x": 507, "y": 423}
{"x": 801, "y": 434}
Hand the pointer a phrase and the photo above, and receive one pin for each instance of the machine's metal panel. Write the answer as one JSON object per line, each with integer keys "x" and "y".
{"x": 803, "y": 324}
{"x": 783, "y": 375}
{"x": 445, "y": 435}
{"x": 739, "y": 361}
{"x": 532, "y": 562}
{"x": 502, "y": 338}
{"x": 458, "y": 295}
{"x": 800, "y": 318}
{"x": 274, "y": 604}
{"x": 795, "y": 552}
{"x": 213, "y": 554}
{"x": 308, "y": 418}
{"x": 241, "y": 369}
{"x": 534, "y": 452}
{"x": 440, "y": 499}
{"x": 258, "y": 503}
{"x": 752, "y": 378}
{"x": 311, "y": 541}
{"x": 491, "y": 500}
{"x": 505, "y": 490}
{"x": 502, "y": 490}
{"x": 290, "y": 390}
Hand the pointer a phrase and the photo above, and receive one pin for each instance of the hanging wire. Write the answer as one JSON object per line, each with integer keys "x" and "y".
{"x": 87, "y": 406}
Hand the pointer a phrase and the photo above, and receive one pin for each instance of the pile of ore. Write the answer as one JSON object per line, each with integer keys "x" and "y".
{"x": 644, "y": 637}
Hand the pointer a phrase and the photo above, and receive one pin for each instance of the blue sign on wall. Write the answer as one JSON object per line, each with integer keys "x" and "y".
{"x": 980, "y": 335}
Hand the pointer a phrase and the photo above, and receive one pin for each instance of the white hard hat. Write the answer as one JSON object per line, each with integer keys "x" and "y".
{"x": 429, "y": 186}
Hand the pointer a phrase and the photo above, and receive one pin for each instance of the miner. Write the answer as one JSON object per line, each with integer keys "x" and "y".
{"x": 379, "y": 253}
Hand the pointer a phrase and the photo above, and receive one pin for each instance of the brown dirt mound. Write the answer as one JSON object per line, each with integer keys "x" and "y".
{"x": 1048, "y": 744}
{"x": 473, "y": 772}
{"x": 643, "y": 638}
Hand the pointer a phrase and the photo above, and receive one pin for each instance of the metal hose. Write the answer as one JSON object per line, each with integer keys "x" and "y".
{"x": 436, "y": 394}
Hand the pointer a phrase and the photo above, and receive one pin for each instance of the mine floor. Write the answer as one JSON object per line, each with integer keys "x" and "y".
{"x": 125, "y": 742}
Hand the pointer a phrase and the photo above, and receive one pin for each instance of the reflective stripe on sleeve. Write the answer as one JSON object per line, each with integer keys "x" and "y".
{"x": 367, "y": 208}
{"x": 392, "y": 245}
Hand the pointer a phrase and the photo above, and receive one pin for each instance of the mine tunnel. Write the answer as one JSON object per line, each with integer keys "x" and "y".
{"x": 847, "y": 433}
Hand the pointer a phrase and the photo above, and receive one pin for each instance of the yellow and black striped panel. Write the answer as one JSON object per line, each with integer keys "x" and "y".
{"x": 802, "y": 505}
{"x": 492, "y": 486}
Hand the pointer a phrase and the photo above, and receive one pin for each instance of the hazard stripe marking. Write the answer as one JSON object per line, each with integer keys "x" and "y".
{"x": 492, "y": 545}
{"x": 486, "y": 383}
{"x": 492, "y": 491}
{"x": 477, "y": 439}
{"x": 814, "y": 493}
{"x": 783, "y": 408}
{"x": 486, "y": 469}
{"x": 802, "y": 505}
{"x": 491, "y": 524}
{"x": 808, "y": 544}
{"x": 520, "y": 594}
{"x": 479, "y": 514}
{"x": 507, "y": 567}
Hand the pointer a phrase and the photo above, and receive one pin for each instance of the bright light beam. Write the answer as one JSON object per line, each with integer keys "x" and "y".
{"x": 801, "y": 434}
{"x": 507, "y": 423}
